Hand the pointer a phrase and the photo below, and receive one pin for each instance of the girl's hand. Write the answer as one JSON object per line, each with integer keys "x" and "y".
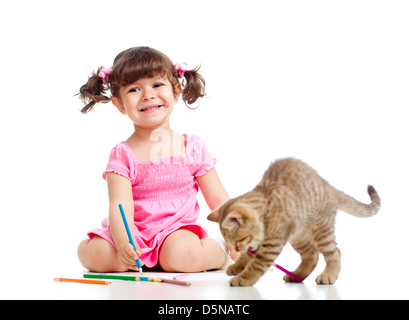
{"x": 128, "y": 256}
{"x": 233, "y": 253}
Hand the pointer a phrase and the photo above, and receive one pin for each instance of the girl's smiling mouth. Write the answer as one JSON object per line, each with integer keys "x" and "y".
{"x": 150, "y": 108}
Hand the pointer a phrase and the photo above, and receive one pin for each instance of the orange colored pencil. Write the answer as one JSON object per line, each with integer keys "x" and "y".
{"x": 82, "y": 281}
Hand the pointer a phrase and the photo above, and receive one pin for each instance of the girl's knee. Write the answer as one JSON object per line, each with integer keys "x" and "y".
{"x": 193, "y": 257}
{"x": 184, "y": 257}
{"x": 179, "y": 255}
{"x": 183, "y": 251}
{"x": 89, "y": 253}
{"x": 81, "y": 251}
{"x": 99, "y": 255}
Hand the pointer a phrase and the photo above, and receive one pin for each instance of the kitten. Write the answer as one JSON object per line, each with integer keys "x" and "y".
{"x": 291, "y": 203}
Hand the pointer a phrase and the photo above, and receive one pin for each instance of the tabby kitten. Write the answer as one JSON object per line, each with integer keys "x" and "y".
{"x": 291, "y": 203}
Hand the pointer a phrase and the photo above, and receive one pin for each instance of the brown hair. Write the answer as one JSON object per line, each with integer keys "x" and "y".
{"x": 133, "y": 64}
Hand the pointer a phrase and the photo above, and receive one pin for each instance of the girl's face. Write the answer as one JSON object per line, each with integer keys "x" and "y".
{"x": 148, "y": 102}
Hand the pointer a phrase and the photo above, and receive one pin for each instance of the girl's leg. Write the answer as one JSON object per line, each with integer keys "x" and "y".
{"x": 99, "y": 255}
{"x": 183, "y": 251}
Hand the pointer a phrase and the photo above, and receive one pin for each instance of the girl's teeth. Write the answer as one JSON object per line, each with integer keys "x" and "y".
{"x": 150, "y": 108}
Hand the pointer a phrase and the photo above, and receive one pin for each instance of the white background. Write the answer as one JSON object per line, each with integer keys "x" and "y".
{"x": 323, "y": 81}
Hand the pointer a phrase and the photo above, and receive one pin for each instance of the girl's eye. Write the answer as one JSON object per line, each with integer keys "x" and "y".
{"x": 134, "y": 90}
{"x": 157, "y": 85}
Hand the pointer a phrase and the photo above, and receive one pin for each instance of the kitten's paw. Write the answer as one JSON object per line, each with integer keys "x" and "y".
{"x": 325, "y": 278}
{"x": 233, "y": 270}
{"x": 241, "y": 282}
{"x": 287, "y": 278}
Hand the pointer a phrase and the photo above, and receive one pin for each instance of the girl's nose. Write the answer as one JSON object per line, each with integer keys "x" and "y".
{"x": 148, "y": 94}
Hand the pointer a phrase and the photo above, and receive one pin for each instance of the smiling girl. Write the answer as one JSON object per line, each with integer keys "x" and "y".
{"x": 155, "y": 173}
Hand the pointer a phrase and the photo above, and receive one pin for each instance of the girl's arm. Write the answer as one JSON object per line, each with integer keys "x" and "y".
{"x": 120, "y": 191}
{"x": 212, "y": 189}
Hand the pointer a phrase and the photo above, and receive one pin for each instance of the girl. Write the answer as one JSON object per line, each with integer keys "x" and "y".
{"x": 155, "y": 174}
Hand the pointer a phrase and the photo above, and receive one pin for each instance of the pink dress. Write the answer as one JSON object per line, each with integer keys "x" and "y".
{"x": 164, "y": 193}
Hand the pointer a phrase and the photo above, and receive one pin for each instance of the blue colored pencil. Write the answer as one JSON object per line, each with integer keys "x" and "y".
{"x": 130, "y": 236}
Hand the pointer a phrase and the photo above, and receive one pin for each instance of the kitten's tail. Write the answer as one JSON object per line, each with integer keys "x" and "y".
{"x": 357, "y": 208}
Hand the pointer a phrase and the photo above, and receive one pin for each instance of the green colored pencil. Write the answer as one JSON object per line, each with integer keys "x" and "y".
{"x": 119, "y": 277}
{"x": 135, "y": 278}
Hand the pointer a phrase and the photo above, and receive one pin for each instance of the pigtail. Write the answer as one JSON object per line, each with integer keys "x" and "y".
{"x": 193, "y": 86}
{"x": 94, "y": 91}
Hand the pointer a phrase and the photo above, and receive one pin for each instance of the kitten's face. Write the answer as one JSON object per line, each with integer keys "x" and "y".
{"x": 239, "y": 225}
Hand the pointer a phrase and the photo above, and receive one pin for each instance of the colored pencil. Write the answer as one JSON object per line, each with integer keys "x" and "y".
{"x": 130, "y": 236}
{"x": 181, "y": 283}
{"x": 120, "y": 277}
{"x": 292, "y": 275}
{"x": 82, "y": 281}
{"x": 135, "y": 278}
{"x": 181, "y": 276}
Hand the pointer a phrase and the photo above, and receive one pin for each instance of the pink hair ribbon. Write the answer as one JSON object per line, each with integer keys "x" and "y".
{"x": 181, "y": 68}
{"x": 104, "y": 74}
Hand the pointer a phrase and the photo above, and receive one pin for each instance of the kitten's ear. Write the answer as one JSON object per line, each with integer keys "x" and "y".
{"x": 238, "y": 215}
{"x": 214, "y": 216}
{"x": 233, "y": 220}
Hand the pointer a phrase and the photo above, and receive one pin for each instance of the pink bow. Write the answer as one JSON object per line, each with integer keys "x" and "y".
{"x": 181, "y": 68}
{"x": 104, "y": 74}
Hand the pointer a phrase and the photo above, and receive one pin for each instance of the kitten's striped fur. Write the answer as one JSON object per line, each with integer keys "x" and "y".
{"x": 291, "y": 203}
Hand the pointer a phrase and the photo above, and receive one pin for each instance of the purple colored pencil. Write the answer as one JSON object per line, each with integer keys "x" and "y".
{"x": 292, "y": 275}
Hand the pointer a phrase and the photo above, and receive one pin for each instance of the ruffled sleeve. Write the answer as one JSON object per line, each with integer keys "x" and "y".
{"x": 201, "y": 159}
{"x": 120, "y": 162}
